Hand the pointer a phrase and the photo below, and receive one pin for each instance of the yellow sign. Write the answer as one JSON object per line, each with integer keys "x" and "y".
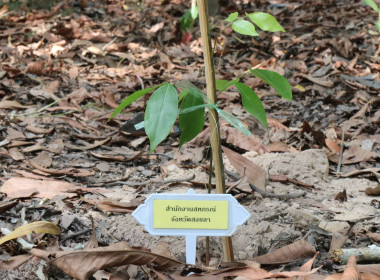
{"x": 190, "y": 214}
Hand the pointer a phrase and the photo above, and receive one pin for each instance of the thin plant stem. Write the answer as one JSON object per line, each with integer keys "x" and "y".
{"x": 213, "y": 115}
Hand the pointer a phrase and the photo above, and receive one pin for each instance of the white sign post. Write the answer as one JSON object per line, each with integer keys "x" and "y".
{"x": 191, "y": 215}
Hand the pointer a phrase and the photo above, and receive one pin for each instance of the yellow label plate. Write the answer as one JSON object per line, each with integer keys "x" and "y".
{"x": 190, "y": 214}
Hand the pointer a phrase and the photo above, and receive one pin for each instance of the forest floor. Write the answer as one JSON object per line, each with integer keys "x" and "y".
{"x": 63, "y": 71}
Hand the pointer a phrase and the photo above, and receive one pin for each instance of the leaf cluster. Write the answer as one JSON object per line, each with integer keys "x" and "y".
{"x": 166, "y": 105}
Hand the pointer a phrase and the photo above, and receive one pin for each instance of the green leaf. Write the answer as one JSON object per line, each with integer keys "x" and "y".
{"x": 186, "y": 21}
{"x": 252, "y": 103}
{"x": 266, "y": 22}
{"x": 194, "y": 11}
{"x": 224, "y": 84}
{"x": 160, "y": 114}
{"x": 232, "y": 17}
{"x": 133, "y": 97}
{"x": 377, "y": 24}
{"x": 191, "y": 123}
{"x": 278, "y": 82}
{"x": 234, "y": 121}
{"x": 372, "y": 4}
{"x": 244, "y": 27}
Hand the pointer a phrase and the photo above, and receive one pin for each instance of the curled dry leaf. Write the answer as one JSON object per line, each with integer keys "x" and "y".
{"x": 254, "y": 173}
{"x": 83, "y": 264}
{"x": 11, "y": 104}
{"x": 300, "y": 249}
{"x": 36, "y": 227}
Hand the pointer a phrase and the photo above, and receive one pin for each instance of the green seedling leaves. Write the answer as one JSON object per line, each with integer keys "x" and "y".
{"x": 232, "y": 17}
{"x": 133, "y": 97}
{"x": 194, "y": 11}
{"x": 244, "y": 27}
{"x": 377, "y": 24}
{"x": 265, "y": 21}
{"x": 372, "y": 4}
{"x": 278, "y": 82}
{"x": 160, "y": 114}
{"x": 234, "y": 121}
{"x": 224, "y": 84}
{"x": 191, "y": 123}
{"x": 252, "y": 103}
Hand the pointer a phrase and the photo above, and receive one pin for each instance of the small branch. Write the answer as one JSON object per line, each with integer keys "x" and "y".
{"x": 161, "y": 182}
{"x": 340, "y": 153}
{"x": 279, "y": 196}
{"x": 79, "y": 233}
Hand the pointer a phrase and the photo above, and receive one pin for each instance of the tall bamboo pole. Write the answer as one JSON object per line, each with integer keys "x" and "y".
{"x": 213, "y": 115}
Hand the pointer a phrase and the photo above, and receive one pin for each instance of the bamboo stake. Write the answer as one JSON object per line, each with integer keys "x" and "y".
{"x": 213, "y": 115}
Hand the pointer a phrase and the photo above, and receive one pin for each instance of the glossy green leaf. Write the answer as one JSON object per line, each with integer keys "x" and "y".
{"x": 191, "y": 123}
{"x": 252, "y": 103}
{"x": 265, "y": 21}
{"x": 232, "y": 17}
{"x": 244, "y": 27}
{"x": 372, "y": 4}
{"x": 133, "y": 97}
{"x": 222, "y": 85}
{"x": 160, "y": 114}
{"x": 278, "y": 82}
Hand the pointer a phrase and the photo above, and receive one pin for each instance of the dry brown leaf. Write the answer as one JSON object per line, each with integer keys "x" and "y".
{"x": 276, "y": 123}
{"x": 13, "y": 134}
{"x": 372, "y": 191}
{"x": 111, "y": 101}
{"x": 36, "y": 68}
{"x": 96, "y": 144}
{"x": 14, "y": 262}
{"x": 278, "y": 147}
{"x": 83, "y": 264}
{"x": 254, "y": 173}
{"x": 358, "y": 172}
{"x": 36, "y": 227}
{"x": 300, "y": 249}
{"x": 25, "y": 187}
{"x": 338, "y": 276}
{"x": 307, "y": 268}
{"x": 113, "y": 206}
{"x": 370, "y": 269}
{"x": 117, "y": 157}
{"x": 75, "y": 172}
{"x": 351, "y": 272}
{"x": 39, "y": 130}
{"x": 234, "y": 137}
{"x": 356, "y": 154}
{"x": 332, "y": 145}
{"x": 374, "y": 236}
{"x": 73, "y": 72}
{"x": 6, "y": 205}
{"x": 256, "y": 273}
{"x": 11, "y": 104}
